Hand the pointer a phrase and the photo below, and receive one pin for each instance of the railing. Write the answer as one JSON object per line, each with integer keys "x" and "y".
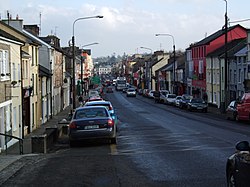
{"x": 20, "y": 142}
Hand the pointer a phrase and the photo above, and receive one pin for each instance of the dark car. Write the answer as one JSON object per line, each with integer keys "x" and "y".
{"x": 184, "y": 100}
{"x": 108, "y": 105}
{"x": 157, "y": 95}
{"x": 109, "y": 89}
{"x": 238, "y": 166}
{"x": 231, "y": 111}
{"x": 91, "y": 122}
{"x": 197, "y": 104}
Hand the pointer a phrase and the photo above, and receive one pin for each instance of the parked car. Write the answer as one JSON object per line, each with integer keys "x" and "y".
{"x": 184, "y": 100}
{"x": 93, "y": 93}
{"x": 170, "y": 99}
{"x": 109, "y": 89}
{"x": 163, "y": 95}
{"x": 92, "y": 122}
{"x": 177, "y": 100}
{"x": 231, "y": 111}
{"x": 157, "y": 95}
{"x": 238, "y": 166}
{"x": 140, "y": 91}
{"x": 131, "y": 92}
{"x": 243, "y": 107}
{"x": 94, "y": 98}
{"x": 151, "y": 94}
{"x": 124, "y": 90}
{"x": 145, "y": 92}
{"x": 107, "y": 104}
{"x": 197, "y": 104}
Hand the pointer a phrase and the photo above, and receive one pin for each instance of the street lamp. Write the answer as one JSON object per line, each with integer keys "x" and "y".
{"x": 174, "y": 91}
{"x": 73, "y": 46}
{"x": 147, "y": 70}
{"x": 224, "y": 103}
{"x": 147, "y": 49}
{"x": 95, "y": 43}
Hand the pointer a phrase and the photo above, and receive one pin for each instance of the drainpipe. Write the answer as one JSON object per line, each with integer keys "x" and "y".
{"x": 212, "y": 79}
{"x": 51, "y": 92}
{"x": 22, "y": 94}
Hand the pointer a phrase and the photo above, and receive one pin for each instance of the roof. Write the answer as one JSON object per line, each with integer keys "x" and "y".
{"x": 215, "y": 35}
{"x": 232, "y": 47}
{"x": 97, "y": 102}
{"x": 9, "y": 36}
{"x": 44, "y": 72}
{"x": 242, "y": 52}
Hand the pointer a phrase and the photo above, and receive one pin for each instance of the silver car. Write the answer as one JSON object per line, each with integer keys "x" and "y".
{"x": 131, "y": 92}
{"x": 92, "y": 122}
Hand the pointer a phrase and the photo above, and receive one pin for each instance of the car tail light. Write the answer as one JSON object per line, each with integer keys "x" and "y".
{"x": 72, "y": 125}
{"x": 110, "y": 122}
{"x": 110, "y": 108}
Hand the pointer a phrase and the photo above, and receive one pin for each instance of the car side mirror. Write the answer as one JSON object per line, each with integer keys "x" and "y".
{"x": 242, "y": 146}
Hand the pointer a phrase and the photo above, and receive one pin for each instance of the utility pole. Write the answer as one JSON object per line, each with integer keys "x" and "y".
{"x": 226, "y": 65}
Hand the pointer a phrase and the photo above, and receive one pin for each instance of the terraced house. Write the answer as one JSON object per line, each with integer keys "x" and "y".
{"x": 34, "y": 82}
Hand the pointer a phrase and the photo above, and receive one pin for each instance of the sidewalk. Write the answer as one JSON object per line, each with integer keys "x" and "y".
{"x": 13, "y": 151}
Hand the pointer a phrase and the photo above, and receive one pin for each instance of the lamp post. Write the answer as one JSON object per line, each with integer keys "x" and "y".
{"x": 147, "y": 70}
{"x": 73, "y": 46}
{"x": 95, "y": 43}
{"x": 151, "y": 51}
{"x": 174, "y": 86}
{"x": 224, "y": 103}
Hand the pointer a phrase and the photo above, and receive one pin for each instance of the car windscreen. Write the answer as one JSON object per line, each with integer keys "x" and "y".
{"x": 171, "y": 96}
{"x": 196, "y": 101}
{"x": 90, "y": 113}
{"x": 100, "y": 104}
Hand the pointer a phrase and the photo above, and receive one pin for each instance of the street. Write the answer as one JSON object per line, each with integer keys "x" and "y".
{"x": 158, "y": 145}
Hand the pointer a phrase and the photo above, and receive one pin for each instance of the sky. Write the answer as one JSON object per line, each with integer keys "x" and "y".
{"x": 128, "y": 25}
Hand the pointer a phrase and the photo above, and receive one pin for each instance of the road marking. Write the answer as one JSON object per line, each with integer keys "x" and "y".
{"x": 113, "y": 149}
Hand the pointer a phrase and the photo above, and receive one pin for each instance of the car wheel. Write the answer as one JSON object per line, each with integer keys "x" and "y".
{"x": 234, "y": 116}
{"x": 237, "y": 117}
{"x": 205, "y": 110}
{"x": 113, "y": 140}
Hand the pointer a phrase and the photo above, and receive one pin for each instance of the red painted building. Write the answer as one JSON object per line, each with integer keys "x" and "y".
{"x": 199, "y": 51}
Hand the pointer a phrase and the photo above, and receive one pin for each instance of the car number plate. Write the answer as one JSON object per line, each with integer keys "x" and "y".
{"x": 91, "y": 127}
{"x": 199, "y": 108}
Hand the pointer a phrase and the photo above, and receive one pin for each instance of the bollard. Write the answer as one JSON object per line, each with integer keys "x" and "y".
{"x": 39, "y": 144}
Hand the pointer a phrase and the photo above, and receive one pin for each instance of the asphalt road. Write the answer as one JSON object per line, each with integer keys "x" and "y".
{"x": 158, "y": 145}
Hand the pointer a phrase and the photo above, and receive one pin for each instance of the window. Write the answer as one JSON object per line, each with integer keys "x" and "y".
{"x": 230, "y": 75}
{"x": 239, "y": 77}
{"x": 215, "y": 97}
{"x": 4, "y": 65}
{"x": 32, "y": 56}
{"x": 234, "y": 76}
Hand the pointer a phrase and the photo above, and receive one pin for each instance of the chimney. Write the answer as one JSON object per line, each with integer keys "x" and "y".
{"x": 33, "y": 29}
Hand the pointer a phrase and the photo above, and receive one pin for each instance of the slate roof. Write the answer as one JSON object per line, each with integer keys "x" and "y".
{"x": 232, "y": 47}
{"x": 9, "y": 36}
{"x": 44, "y": 71}
{"x": 217, "y": 34}
{"x": 242, "y": 52}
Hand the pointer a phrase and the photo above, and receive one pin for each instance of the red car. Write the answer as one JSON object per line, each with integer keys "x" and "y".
{"x": 243, "y": 108}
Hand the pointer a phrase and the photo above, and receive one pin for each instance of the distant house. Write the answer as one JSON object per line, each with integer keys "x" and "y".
{"x": 102, "y": 70}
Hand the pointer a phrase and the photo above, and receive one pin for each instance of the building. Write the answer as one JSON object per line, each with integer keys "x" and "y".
{"x": 196, "y": 57}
